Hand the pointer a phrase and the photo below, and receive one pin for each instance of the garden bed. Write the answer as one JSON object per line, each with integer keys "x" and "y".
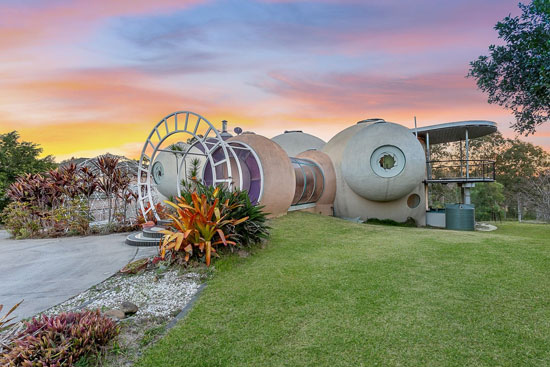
{"x": 156, "y": 293}
{"x": 160, "y": 296}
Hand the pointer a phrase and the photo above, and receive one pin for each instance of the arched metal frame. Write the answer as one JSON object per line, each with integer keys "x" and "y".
{"x": 182, "y": 124}
{"x": 302, "y": 165}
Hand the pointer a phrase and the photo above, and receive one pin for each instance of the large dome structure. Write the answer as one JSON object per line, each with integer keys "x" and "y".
{"x": 295, "y": 142}
{"x": 380, "y": 168}
{"x": 277, "y": 174}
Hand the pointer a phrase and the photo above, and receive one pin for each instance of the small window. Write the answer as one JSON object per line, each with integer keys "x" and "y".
{"x": 413, "y": 201}
{"x": 158, "y": 172}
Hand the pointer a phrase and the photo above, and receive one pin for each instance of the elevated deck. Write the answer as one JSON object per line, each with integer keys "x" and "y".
{"x": 461, "y": 171}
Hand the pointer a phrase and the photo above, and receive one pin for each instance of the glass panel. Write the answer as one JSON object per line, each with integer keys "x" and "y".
{"x": 309, "y": 181}
{"x": 300, "y": 182}
{"x": 310, "y": 184}
{"x": 319, "y": 184}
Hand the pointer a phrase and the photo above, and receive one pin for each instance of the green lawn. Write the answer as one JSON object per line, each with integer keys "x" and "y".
{"x": 326, "y": 292}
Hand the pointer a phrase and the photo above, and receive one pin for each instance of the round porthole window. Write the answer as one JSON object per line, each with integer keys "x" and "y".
{"x": 158, "y": 172}
{"x": 413, "y": 201}
{"x": 387, "y": 161}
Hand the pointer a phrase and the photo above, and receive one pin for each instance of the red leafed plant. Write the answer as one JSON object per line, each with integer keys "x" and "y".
{"x": 198, "y": 227}
{"x": 60, "y": 340}
{"x": 159, "y": 208}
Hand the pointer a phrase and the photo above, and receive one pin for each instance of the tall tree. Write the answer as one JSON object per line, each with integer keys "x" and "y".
{"x": 537, "y": 193}
{"x": 516, "y": 75}
{"x": 19, "y": 157}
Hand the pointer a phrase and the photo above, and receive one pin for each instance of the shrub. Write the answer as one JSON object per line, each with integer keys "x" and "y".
{"x": 70, "y": 218}
{"x": 196, "y": 224}
{"x": 25, "y": 220}
{"x": 410, "y": 222}
{"x": 247, "y": 233}
{"x": 21, "y": 219}
{"x": 57, "y": 202}
{"x": 60, "y": 340}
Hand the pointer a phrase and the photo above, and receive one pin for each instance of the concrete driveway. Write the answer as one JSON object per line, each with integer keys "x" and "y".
{"x": 45, "y": 272}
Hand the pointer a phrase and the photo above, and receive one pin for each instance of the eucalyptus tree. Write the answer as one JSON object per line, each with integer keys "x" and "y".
{"x": 516, "y": 74}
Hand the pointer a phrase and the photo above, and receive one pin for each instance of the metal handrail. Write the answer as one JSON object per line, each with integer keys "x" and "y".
{"x": 461, "y": 170}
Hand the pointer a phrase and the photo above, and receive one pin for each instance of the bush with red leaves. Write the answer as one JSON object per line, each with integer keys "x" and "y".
{"x": 59, "y": 341}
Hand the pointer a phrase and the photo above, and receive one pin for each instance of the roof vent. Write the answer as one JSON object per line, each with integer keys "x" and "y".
{"x": 293, "y": 131}
{"x": 375, "y": 120}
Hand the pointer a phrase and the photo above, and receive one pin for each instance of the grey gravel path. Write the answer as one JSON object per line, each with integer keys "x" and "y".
{"x": 45, "y": 272}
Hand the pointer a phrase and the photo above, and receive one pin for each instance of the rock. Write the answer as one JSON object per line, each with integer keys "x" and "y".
{"x": 129, "y": 308}
{"x": 485, "y": 227}
{"x": 135, "y": 266}
{"x": 115, "y": 314}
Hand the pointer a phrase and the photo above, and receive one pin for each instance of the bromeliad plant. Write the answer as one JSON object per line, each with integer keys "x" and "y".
{"x": 198, "y": 227}
{"x": 248, "y": 233}
{"x": 60, "y": 340}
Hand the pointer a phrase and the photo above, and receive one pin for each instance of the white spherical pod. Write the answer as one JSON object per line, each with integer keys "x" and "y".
{"x": 165, "y": 174}
{"x": 167, "y": 165}
{"x": 383, "y": 162}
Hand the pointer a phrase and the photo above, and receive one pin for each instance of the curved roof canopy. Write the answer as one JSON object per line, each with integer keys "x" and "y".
{"x": 456, "y": 131}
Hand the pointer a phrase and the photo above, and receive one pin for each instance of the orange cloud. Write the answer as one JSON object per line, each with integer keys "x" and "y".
{"x": 99, "y": 110}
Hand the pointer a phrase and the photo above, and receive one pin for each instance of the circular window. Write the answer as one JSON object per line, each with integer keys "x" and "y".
{"x": 413, "y": 201}
{"x": 387, "y": 161}
{"x": 158, "y": 172}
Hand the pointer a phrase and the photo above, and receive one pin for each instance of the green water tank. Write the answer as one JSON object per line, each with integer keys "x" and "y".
{"x": 460, "y": 217}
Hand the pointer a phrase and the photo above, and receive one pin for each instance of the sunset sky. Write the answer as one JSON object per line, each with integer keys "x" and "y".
{"x": 83, "y": 77}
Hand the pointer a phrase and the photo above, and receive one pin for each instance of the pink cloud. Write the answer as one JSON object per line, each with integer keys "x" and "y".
{"x": 352, "y": 92}
{"x": 22, "y": 25}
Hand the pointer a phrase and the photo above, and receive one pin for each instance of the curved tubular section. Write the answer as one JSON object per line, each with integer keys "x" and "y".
{"x": 247, "y": 169}
{"x": 310, "y": 181}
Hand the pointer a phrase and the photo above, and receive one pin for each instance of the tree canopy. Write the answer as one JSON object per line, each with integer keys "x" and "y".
{"x": 19, "y": 157}
{"x": 516, "y": 163}
{"x": 489, "y": 199}
{"x": 516, "y": 75}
